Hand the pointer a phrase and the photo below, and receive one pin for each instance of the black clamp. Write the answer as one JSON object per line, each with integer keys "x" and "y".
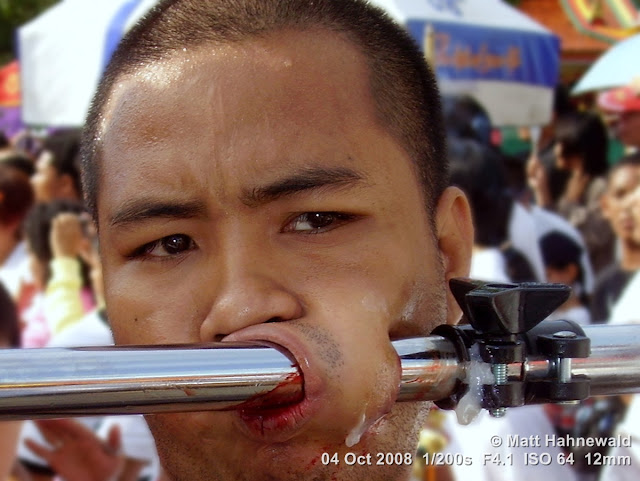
{"x": 560, "y": 347}
{"x": 502, "y": 325}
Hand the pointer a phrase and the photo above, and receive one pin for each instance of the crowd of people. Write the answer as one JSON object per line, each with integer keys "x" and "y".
{"x": 561, "y": 212}
{"x": 52, "y": 296}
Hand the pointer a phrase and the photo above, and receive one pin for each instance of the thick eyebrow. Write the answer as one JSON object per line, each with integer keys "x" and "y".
{"x": 303, "y": 180}
{"x": 149, "y": 209}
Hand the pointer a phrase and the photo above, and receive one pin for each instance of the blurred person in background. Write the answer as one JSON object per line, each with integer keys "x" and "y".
{"x": 27, "y": 143}
{"x": 120, "y": 448}
{"x": 625, "y": 310}
{"x": 62, "y": 296}
{"x": 581, "y": 150}
{"x": 540, "y": 143}
{"x": 622, "y": 108}
{"x": 562, "y": 260}
{"x": 57, "y": 167}
{"x": 55, "y": 243}
{"x": 76, "y": 454}
{"x": 622, "y": 181}
{"x": 477, "y": 170}
{"x": 17, "y": 160}
{"x": 16, "y": 198}
{"x": 466, "y": 120}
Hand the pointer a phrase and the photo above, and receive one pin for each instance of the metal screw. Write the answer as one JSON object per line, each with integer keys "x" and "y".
{"x": 564, "y": 364}
{"x": 500, "y": 374}
{"x": 564, "y": 369}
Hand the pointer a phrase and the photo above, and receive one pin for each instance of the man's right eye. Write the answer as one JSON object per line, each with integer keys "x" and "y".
{"x": 169, "y": 246}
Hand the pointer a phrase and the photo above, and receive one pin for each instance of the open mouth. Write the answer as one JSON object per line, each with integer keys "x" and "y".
{"x": 258, "y": 418}
{"x": 276, "y": 424}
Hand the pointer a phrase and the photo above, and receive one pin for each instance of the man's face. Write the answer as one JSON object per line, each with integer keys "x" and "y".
{"x": 627, "y": 128}
{"x": 248, "y": 192}
{"x": 615, "y": 206}
{"x": 46, "y": 180}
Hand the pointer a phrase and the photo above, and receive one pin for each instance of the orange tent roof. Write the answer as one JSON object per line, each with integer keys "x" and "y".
{"x": 551, "y": 14}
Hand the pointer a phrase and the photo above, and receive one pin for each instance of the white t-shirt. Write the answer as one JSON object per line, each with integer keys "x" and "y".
{"x": 627, "y": 309}
{"x": 488, "y": 264}
{"x": 486, "y": 441}
{"x": 16, "y": 271}
{"x": 578, "y": 314}
{"x": 524, "y": 235}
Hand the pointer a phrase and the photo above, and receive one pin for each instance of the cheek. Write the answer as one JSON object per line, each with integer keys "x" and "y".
{"x": 390, "y": 289}
{"x": 146, "y": 313}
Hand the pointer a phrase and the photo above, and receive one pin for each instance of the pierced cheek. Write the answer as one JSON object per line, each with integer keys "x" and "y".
{"x": 383, "y": 389}
{"x": 363, "y": 380}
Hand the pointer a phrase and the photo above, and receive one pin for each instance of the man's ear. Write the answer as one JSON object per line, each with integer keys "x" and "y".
{"x": 454, "y": 228}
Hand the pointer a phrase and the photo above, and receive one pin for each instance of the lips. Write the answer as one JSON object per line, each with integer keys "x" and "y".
{"x": 281, "y": 423}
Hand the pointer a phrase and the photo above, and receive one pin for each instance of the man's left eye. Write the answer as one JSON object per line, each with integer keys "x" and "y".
{"x": 317, "y": 222}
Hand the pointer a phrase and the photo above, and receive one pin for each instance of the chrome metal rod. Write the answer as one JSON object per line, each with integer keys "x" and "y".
{"x": 614, "y": 363}
{"x": 430, "y": 368}
{"x": 55, "y": 382}
{"x": 61, "y": 382}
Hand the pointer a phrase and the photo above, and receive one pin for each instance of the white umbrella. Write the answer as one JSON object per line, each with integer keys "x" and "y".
{"x": 618, "y": 66}
{"x": 63, "y": 52}
{"x": 489, "y": 50}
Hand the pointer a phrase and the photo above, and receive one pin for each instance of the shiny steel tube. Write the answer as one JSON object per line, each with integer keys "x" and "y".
{"x": 430, "y": 368}
{"x": 36, "y": 383}
{"x": 613, "y": 365}
{"x": 61, "y": 382}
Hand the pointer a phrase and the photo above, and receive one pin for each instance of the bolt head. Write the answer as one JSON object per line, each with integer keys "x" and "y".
{"x": 565, "y": 335}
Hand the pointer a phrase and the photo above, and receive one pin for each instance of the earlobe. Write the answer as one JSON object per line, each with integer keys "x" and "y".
{"x": 454, "y": 227}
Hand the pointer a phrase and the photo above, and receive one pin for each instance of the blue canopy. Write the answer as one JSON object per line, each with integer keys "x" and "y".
{"x": 486, "y": 49}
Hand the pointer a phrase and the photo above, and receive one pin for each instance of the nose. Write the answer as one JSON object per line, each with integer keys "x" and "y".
{"x": 248, "y": 290}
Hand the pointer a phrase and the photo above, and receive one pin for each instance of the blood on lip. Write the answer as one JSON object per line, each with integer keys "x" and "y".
{"x": 276, "y": 419}
{"x": 289, "y": 391}
{"x": 277, "y": 409}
